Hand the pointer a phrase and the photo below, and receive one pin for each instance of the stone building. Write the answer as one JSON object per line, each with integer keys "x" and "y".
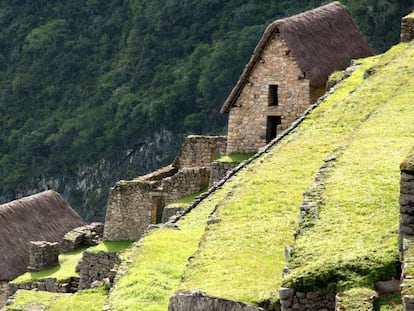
{"x": 44, "y": 216}
{"x": 288, "y": 71}
{"x": 135, "y": 204}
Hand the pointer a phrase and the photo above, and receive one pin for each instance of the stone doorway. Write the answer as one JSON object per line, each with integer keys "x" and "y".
{"x": 271, "y": 127}
{"x": 158, "y": 204}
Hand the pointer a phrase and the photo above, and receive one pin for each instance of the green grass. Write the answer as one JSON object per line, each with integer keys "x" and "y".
{"x": 235, "y": 157}
{"x": 111, "y": 246}
{"x": 155, "y": 265}
{"x": 63, "y": 271}
{"x": 242, "y": 257}
{"x": 354, "y": 242}
{"x": 91, "y": 300}
{"x": 187, "y": 199}
{"x": 357, "y": 299}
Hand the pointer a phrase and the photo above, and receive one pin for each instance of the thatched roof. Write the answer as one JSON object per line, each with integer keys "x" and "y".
{"x": 44, "y": 216}
{"x": 321, "y": 40}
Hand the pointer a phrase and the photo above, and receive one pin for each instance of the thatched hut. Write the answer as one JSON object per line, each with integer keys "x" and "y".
{"x": 288, "y": 71}
{"x": 44, "y": 216}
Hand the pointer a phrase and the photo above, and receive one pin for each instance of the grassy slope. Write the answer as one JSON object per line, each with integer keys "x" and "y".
{"x": 359, "y": 217}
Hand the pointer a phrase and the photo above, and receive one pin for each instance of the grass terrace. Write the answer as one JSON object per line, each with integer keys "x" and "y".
{"x": 236, "y": 157}
{"x": 354, "y": 241}
{"x": 64, "y": 271}
{"x": 91, "y": 300}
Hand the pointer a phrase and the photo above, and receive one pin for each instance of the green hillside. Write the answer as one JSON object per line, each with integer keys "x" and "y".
{"x": 87, "y": 87}
{"x": 364, "y": 129}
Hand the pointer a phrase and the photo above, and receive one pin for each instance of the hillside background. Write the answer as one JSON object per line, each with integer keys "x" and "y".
{"x": 95, "y": 91}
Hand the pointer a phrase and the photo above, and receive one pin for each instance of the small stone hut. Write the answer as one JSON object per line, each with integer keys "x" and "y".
{"x": 44, "y": 216}
{"x": 288, "y": 71}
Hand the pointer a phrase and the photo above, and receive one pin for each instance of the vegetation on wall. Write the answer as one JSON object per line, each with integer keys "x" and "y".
{"x": 83, "y": 81}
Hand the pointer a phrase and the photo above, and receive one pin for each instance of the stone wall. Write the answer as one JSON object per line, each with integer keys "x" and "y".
{"x": 97, "y": 266}
{"x": 291, "y": 300}
{"x": 200, "y": 151}
{"x": 134, "y": 205}
{"x": 407, "y": 28}
{"x": 406, "y": 244}
{"x": 129, "y": 209}
{"x": 219, "y": 169}
{"x": 88, "y": 235}
{"x": 247, "y": 127}
{"x": 43, "y": 254}
{"x": 49, "y": 285}
{"x": 198, "y": 301}
{"x": 186, "y": 181}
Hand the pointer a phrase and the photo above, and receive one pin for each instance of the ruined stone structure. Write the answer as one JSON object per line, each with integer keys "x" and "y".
{"x": 288, "y": 71}
{"x": 135, "y": 204}
{"x": 407, "y": 28}
{"x": 43, "y": 254}
{"x": 97, "y": 266}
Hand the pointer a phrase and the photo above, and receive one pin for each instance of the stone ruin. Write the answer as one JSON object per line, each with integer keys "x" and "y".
{"x": 135, "y": 204}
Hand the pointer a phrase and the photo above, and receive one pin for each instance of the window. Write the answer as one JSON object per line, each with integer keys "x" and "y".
{"x": 271, "y": 128}
{"x": 273, "y": 95}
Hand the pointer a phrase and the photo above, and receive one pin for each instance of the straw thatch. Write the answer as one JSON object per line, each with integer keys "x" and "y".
{"x": 321, "y": 40}
{"x": 44, "y": 216}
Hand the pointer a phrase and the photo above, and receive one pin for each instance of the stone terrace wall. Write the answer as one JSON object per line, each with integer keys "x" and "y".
{"x": 129, "y": 209}
{"x": 200, "y": 151}
{"x": 291, "y": 300}
{"x": 407, "y": 28}
{"x": 219, "y": 169}
{"x": 407, "y": 231}
{"x": 49, "y": 285}
{"x": 247, "y": 125}
{"x": 186, "y": 181}
{"x": 97, "y": 267}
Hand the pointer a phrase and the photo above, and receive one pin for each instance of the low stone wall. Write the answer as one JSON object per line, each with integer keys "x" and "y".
{"x": 171, "y": 211}
{"x": 291, "y": 300}
{"x": 129, "y": 209}
{"x": 198, "y": 301}
{"x": 88, "y": 235}
{"x": 49, "y": 285}
{"x": 407, "y": 28}
{"x": 199, "y": 151}
{"x": 97, "y": 266}
{"x": 187, "y": 181}
{"x": 406, "y": 244}
{"x": 43, "y": 254}
{"x": 219, "y": 169}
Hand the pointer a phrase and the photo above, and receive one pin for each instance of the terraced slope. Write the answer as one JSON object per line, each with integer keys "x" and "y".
{"x": 242, "y": 257}
{"x": 367, "y": 124}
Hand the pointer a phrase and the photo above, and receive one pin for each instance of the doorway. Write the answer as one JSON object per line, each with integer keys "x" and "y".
{"x": 271, "y": 127}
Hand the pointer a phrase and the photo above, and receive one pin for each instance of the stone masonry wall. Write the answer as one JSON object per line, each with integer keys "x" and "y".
{"x": 407, "y": 28}
{"x": 43, "y": 254}
{"x": 49, "y": 285}
{"x": 129, "y": 209}
{"x": 134, "y": 205}
{"x": 406, "y": 244}
{"x": 248, "y": 118}
{"x": 97, "y": 266}
{"x": 291, "y": 300}
{"x": 219, "y": 169}
{"x": 186, "y": 181}
{"x": 200, "y": 151}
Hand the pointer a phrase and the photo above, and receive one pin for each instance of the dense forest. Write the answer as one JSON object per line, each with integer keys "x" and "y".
{"x": 86, "y": 82}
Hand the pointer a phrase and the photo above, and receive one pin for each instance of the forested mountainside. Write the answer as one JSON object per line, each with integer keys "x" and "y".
{"x": 94, "y": 91}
